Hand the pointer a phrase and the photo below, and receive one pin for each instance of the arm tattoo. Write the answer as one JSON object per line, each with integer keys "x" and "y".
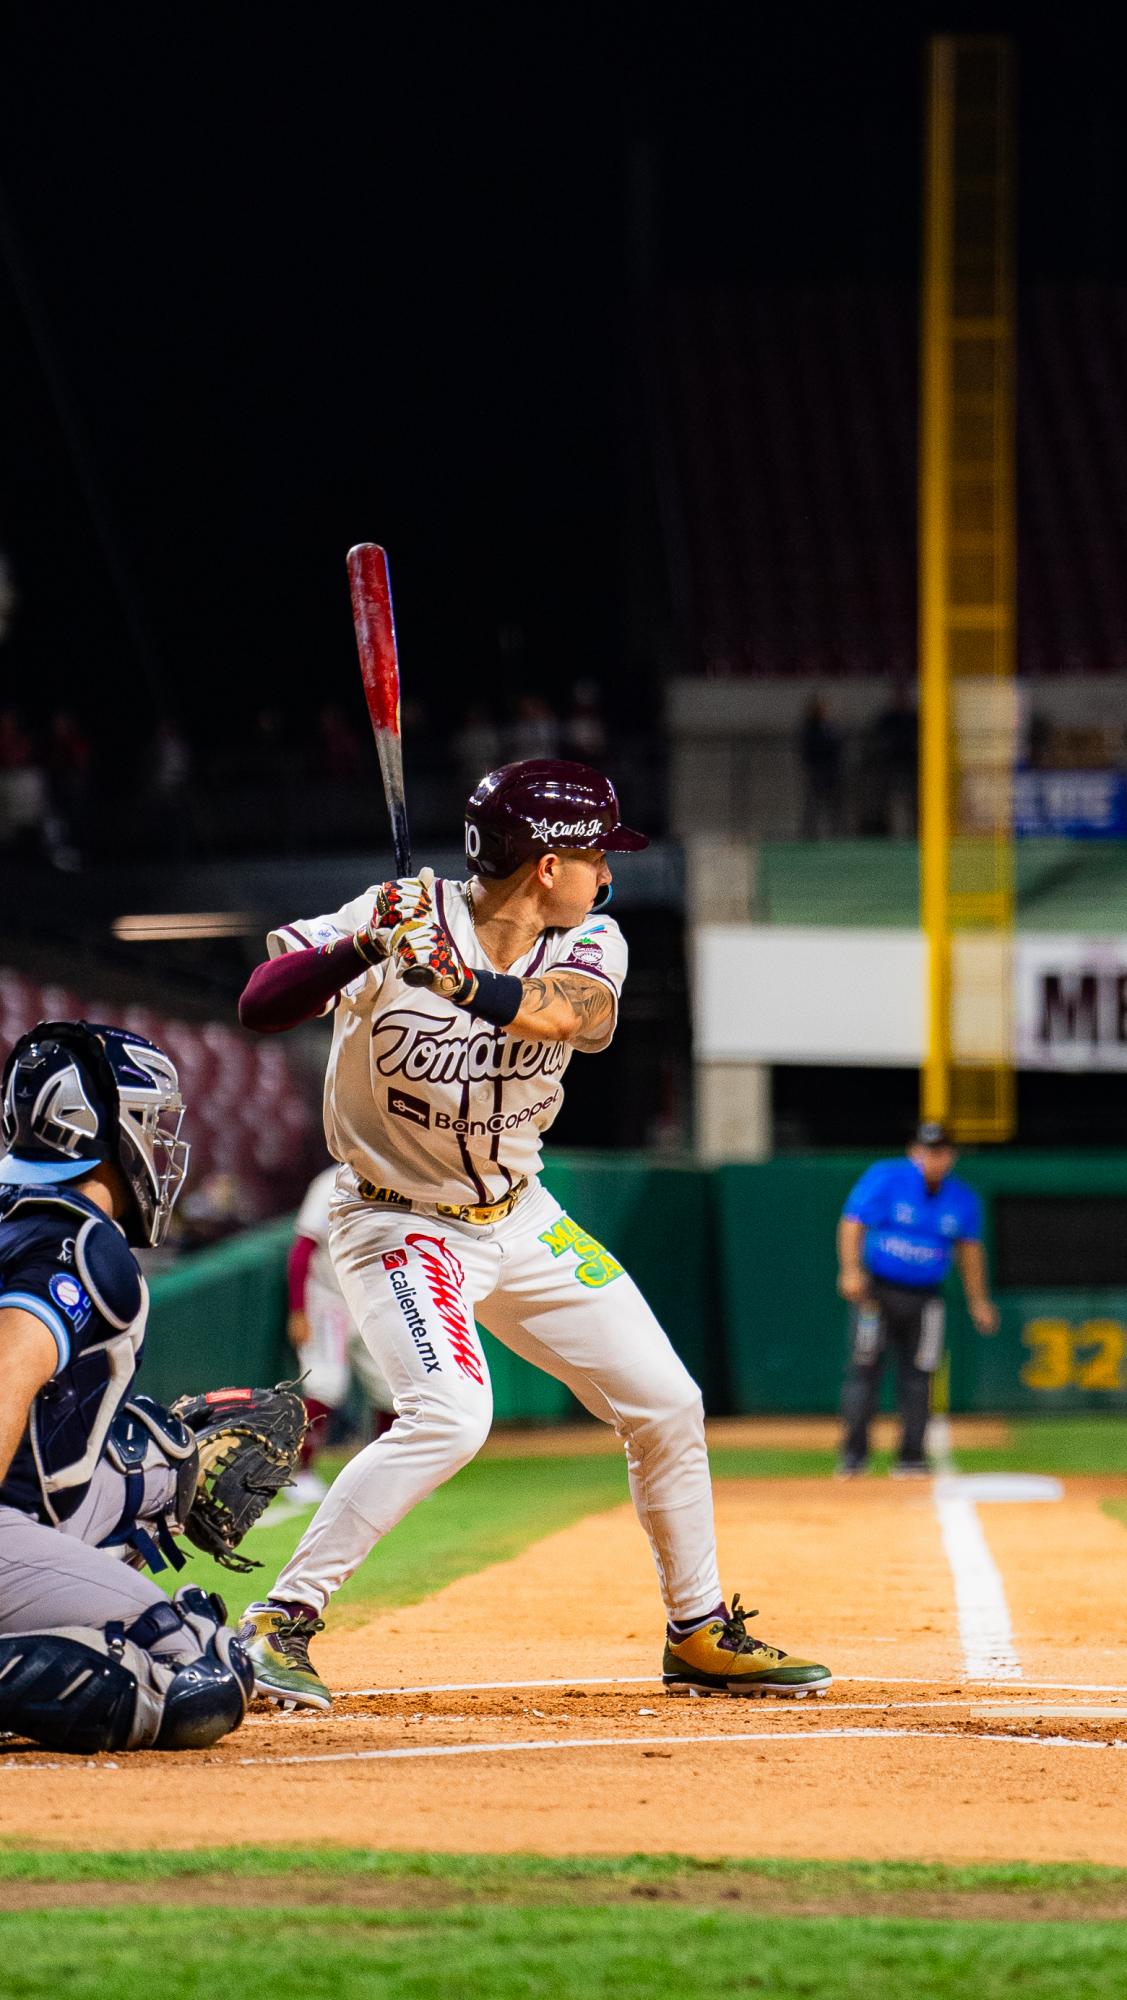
{"x": 591, "y": 1005}
{"x": 537, "y": 995}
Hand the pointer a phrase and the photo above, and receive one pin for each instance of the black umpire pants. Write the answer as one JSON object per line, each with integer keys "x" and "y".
{"x": 906, "y": 1321}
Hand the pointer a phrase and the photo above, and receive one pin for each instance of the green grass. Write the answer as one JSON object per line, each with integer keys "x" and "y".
{"x": 494, "y": 1927}
{"x": 511, "y": 1874}
{"x": 498, "y": 1506}
{"x": 500, "y": 1952}
{"x": 488, "y": 1513}
{"x": 736, "y": 1464}
{"x": 1064, "y": 1445}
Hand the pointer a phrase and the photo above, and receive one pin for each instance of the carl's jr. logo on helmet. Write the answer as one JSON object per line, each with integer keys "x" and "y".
{"x": 558, "y": 829}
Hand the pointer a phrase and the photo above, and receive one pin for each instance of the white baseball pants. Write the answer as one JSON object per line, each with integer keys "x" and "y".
{"x": 550, "y": 1292}
{"x": 56, "y": 1577}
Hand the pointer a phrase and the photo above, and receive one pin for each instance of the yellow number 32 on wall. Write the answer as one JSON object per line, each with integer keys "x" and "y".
{"x": 1064, "y": 1356}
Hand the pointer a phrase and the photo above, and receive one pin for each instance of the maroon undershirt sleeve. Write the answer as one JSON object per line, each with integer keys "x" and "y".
{"x": 297, "y": 1270}
{"x": 288, "y": 990}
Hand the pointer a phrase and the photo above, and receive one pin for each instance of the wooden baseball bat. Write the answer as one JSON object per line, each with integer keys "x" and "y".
{"x": 373, "y": 617}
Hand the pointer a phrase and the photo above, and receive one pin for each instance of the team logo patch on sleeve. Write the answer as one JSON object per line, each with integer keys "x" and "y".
{"x": 585, "y": 952}
{"x": 71, "y": 1298}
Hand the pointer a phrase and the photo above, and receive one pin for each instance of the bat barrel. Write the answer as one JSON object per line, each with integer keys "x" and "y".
{"x": 373, "y": 617}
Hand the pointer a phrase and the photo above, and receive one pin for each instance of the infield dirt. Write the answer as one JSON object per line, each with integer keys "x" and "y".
{"x": 946, "y": 1768}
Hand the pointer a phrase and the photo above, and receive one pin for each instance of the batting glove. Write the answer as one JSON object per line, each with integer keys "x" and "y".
{"x": 407, "y": 901}
{"x": 410, "y": 900}
{"x": 427, "y": 956}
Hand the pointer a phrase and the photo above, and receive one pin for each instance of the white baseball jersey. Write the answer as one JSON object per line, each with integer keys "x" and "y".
{"x": 313, "y": 1221}
{"x": 422, "y": 1097}
{"x": 334, "y": 1350}
{"x": 324, "y": 1358}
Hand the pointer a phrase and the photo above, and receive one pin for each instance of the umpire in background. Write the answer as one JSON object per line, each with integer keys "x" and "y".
{"x": 900, "y": 1228}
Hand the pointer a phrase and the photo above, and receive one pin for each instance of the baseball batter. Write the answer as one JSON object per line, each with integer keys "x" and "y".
{"x": 458, "y": 1007}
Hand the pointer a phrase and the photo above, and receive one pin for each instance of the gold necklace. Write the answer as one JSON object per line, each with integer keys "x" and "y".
{"x": 468, "y": 899}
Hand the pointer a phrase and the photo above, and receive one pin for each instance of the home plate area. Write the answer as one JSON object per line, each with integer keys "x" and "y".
{"x": 978, "y": 1709}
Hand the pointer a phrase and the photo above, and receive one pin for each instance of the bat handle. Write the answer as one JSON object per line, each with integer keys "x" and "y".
{"x": 401, "y": 838}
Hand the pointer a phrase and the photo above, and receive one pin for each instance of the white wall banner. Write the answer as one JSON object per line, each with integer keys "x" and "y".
{"x": 781, "y": 993}
{"x": 777, "y": 993}
{"x": 1070, "y": 1002}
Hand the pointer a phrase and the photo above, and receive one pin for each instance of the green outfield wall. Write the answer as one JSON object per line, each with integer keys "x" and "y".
{"x": 739, "y": 1264}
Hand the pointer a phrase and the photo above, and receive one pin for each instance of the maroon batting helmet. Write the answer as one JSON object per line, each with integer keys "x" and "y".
{"x": 542, "y": 806}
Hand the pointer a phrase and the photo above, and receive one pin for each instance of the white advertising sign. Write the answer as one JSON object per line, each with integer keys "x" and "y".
{"x": 808, "y": 994}
{"x": 1070, "y": 1002}
{"x": 775, "y": 993}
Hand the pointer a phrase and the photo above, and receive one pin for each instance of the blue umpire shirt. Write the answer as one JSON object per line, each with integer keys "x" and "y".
{"x": 910, "y": 1234}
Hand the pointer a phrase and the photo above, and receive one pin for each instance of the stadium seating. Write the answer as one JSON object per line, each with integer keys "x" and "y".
{"x": 255, "y": 1132}
{"x": 788, "y": 423}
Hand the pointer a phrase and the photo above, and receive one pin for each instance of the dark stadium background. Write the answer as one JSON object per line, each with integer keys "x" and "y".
{"x": 290, "y": 283}
{"x": 271, "y": 286}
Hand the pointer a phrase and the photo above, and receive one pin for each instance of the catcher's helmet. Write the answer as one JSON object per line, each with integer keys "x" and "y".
{"x": 76, "y": 1095}
{"x": 542, "y": 806}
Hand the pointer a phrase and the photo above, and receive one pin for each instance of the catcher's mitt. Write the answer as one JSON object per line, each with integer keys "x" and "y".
{"x": 249, "y": 1441}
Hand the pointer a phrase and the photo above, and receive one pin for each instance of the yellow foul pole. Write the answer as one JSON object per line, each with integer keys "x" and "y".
{"x": 967, "y": 635}
{"x": 935, "y": 762}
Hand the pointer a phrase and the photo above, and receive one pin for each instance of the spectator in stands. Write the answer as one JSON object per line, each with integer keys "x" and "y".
{"x": 264, "y": 751}
{"x": 170, "y": 755}
{"x": 475, "y": 747}
{"x": 24, "y": 799}
{"x": 168, "y": 789}
{"x": 584, "y": 731}
{"x": 216, "y": 1205}
{"x": 342, "y": 751}
{"x": 894, "y": 745}
{"x": 819, "y": 750}
{"x": 15, "y": 744}
{"x": 413, "y": 719}
{"x": 68, "y": 771}
{"x": 535, "y": 732}
{"x": 1038, "y": 741}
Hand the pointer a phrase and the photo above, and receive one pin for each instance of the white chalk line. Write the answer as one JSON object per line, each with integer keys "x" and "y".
{"x": 418, "y": 1751}
{"x": 654, "y": 1680}
{"x": 566, "y": 1743}
{"x": 971, "y": 1701}
{"x": 985, "y": 1630}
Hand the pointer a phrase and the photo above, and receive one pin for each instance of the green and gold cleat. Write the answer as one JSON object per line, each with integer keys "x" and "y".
{"x": 276, "y": 1643}
{"x": 720, "y": 1658}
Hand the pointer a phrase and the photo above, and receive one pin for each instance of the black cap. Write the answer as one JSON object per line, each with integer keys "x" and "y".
{"x": 932, "y": 1133}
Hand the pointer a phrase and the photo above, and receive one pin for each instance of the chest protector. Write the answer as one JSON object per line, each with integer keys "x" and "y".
{"x": 70, "y": 1418}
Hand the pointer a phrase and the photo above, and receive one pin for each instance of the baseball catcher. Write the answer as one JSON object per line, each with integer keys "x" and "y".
{"x": 458, "y": 1006}
{"x": 97, "y": 1481}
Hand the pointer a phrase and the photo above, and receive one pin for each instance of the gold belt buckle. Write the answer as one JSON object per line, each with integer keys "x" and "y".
{"x": 482, "y": 1213}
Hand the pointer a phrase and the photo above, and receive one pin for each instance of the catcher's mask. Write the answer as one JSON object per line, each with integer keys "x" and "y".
{"x": 78, "y": 1094}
